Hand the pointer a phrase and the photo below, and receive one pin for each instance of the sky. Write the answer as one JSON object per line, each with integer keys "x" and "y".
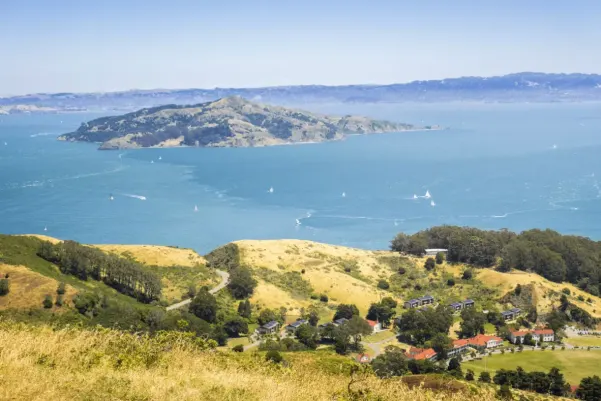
{"x": 109, "y": 45}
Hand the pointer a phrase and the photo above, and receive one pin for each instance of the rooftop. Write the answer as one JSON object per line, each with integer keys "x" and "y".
{"x": 271, "y": 325}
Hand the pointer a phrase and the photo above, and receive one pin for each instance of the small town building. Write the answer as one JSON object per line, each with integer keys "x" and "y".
{"x": 340, "y": 321}
{"x": 482, "y": 341}
{"x": 426, "y": 300}
{"x": 269, "y": 328}
{"x": 456, "y": 306}
{"x": 511, "y": 314}
{"x": 421, "y": 354}
{"x": 434, "y": 251}
{"x": 468, "y": 303}
{"x": 363, "y": 358}
{"x": 459, "y": 347}
{"x": 412, "y": 303}
{"x": 538, "y": 335}
{"x": 291, "y": 328}
{"x": 375, "y": 326}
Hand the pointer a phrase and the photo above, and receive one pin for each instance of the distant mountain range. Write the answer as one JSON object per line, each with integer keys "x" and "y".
{"x": 519, "y": 87}
{"x": 228, "y": 122}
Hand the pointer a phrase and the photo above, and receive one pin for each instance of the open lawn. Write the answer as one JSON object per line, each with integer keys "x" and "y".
{"x": 574, "y": 364}
{"x": 584, "y": 341}
{"x": 381, "y": 336}
{"x": 154, "y": 255}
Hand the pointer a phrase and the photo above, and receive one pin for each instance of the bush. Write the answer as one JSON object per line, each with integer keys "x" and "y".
{"x": 238, "y": 348}
{"x": 451, "y": 282}
{"x": 439, "y": 258}
{"x": 430, "y": 264}
{"x": 469, "y": 376}
{"x": 273, "y": 356}
{"x": 580, "y": 298}
{"x": 402, "y": 270}
{"x": 314, "y": 296}
{"x": 566, "y": 291}
{"x": 59, "y": 300}
{"x": 467, "y": 274}
{"x": 191, "y": 293}
{"x": 504, "y": 392}
{"x": 4, "y": 286}
{"x": 484, "y": 377}
{"x": 324, "y": 298}
{"x": 303, "y": 271}
{"x": 383, "y": 284}
{"x": 241, "y": 284}
{"x": 47, "y": 302}
{"x": 61, "y": 289}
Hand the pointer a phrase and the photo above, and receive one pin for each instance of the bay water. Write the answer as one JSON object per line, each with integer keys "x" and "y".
{"x": 515, "y": 166}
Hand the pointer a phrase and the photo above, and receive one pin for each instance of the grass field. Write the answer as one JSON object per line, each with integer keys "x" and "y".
{"x": 584, "y": 341}
{"x": 574, "y": 364}
{"x": 381, "y": 336}
{"x": 43, "y": 363}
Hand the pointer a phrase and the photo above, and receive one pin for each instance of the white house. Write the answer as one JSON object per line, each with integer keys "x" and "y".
{"x": 375, "y": 326}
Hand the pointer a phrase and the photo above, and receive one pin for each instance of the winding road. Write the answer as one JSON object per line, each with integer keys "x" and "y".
{"x": 225, "y": 279}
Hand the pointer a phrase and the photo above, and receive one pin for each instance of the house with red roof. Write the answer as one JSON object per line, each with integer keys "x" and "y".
{"x": 421, "y": 354}
{"x": 375, "y": 326}
{"x": 538, "y": 335}
{"x": 363, "y": 358}
{"x": 482, "y": 341}
{"x": 459, "y": 347}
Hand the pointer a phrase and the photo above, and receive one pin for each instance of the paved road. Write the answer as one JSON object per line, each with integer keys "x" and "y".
{"x": 225, "y": 279}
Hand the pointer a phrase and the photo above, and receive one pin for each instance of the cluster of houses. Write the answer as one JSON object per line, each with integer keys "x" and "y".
{"x": 479, "y": 342}
{"x": 538, "y": 335}
{"x": 458, "y": 306}
{"x": 511, "y": 314}
{"x": 274, "y": 326}
{"x": 416, "y": 303}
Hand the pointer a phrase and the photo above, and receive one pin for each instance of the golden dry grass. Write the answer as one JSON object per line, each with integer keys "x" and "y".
{"x": 155, "y": 255}
{"x": 267, "y": 295}
{"x": 28, "y": 289}
{"x": 323, "y": 267}
{"x": 39, "y": 363}
{"x": 547, "y": 292}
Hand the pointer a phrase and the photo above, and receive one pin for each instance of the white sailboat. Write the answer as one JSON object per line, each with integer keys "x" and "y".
{"x": 414, "y": 196}
{"x": 270, "y": 190}
{"x": 45, "y": 228}
{"x": 111, "y": 197}
{"x": 195, "y": 208}
{"x": 427, "y": 195}
{"x": 344, "y": 194}
{"x": 298, "y": 223}
{"x": 432, "y": 203}
{"x": 152, "y": 162}
{"x": 160, "y": 158}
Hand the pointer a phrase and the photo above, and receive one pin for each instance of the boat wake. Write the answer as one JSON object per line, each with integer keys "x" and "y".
{"x": 135, "y": 196}
{"x": 41, "y": 134}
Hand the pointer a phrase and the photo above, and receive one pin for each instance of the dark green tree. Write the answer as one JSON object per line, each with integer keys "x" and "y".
{"x": 389, "y": 302}
{"x": 380, "y": 313}
{"x": 558, "y": 383}
{"x": 504, "y": 392}
{"x": 273, "y": 356}
{"x": 454, "y": 368}
{"x": 401, "y": 243}
{"x": 346, "y": 311}
{"x": 267, "y": 315}
{"x": 307, "y": 335}
{"x": 442, "y": 344}
{"x": 392, "y": 362}
{"x": 244, "y": 309}
{"x": 439, "y": 258}
{"x": 238, "y": 348}
{"x": 4, "y": 286}
{"x": 589, "y": 389}
{"x": 430, "y": 264}
{"x": 47, "y": 302}
{"x": 383, "y": 284}
{"x": 469, "y": 376}
{"x": 484, "y": 377}
{"x": 241, "y": 284}
{"x": 61, "y": 289}
{"x": 357, "y": 327}
{"x": 204, "y": 305}
{"x": 467, "y": 274}
{"x": 472, "y": 323}
{"x": 235, "y": 326}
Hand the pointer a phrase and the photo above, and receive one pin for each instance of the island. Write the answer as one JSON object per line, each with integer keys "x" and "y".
{"x": 227, "y": 122}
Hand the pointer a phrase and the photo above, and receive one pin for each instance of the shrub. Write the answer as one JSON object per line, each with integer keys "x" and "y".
{"x": 383, "y": 284}
{"x": 451, "y": 282}
{"x": 566, "y": 291}
{"x": 467, "y": 274}
{"x": 61, "y": 289}
{"x": 484, "y": 377}
{"x": 238, "y": 348}
{"x": 303, "y": 271}
{"x": 469, "y": 376}
{"x": 273, "y": 356}
{"x": 439, "y": 258}
{"x": 47, "y": 302}
{"x": 4, "y": 286}
{"x": 314, "y": 296}
{"x": 402, "y": 270}
{"x": 323, "y": 298}
{"x": 504, "y": 392}
{"x": 430, "y": 264}
{"x": 6, "y": 275}
{"x": 241, "y": 284}
{"x": 580, "y": 298}
{"x": 59, "y": 300}
{"x": 191, "y": 293}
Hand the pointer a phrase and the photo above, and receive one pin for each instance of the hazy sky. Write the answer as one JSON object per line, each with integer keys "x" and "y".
{"x": 104, "y": 45}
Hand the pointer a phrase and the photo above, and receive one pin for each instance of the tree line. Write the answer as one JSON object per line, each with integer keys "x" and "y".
{"x": 554, "y": 256}
{"x": 84, "y": 262}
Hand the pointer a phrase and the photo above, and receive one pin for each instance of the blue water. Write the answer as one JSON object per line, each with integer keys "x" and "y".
{"x": 498, "y": 166}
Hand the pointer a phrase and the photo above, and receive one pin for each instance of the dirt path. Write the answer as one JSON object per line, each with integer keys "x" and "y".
{"x": 225, "y": 279}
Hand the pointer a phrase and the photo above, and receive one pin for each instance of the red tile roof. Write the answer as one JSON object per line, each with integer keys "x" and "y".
{"x": 460, "y": 343}
{"x": 518, "y": 333}
{"x": 420, "y": 353}
{"x": 543, "y": 331}
{"x": 482, "y": 340}
{"x": 372, "y": 323}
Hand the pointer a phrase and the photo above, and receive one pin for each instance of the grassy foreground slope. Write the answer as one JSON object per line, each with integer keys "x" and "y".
{"x": 41, "y": 363}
